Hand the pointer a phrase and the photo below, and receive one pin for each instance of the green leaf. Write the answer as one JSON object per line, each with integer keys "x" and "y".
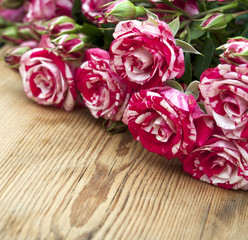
{"x": 174, "y": 84}
{"x": 174, "y": 26}
{"x": 186, "y": 47}
{"x": 91, "y": 30}
{"x": 203, "y": 62}
{"x": 151, "y": 15}
{"x": 196, "y": 32}
{"x": 202, "y": 107}
{"x": 187, "y": 76}
{"x": 193, "y": 89}
{"x": 245, "y": 33}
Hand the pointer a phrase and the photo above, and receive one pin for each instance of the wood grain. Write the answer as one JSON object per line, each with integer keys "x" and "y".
{"x": 63, "y": 177}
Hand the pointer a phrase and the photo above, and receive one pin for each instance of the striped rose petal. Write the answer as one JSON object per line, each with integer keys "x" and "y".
{"x": 48, "y": 9}
{"x": 47, "y": 79}
{"x": 144, "y": 54}
{"x": 102, "y": 89}
{"x": 225, "y": 90}
{"x": 221, "y": 161}
{"x": 235, "y": 51}
{"x": 93, "y": 8}
{"x": 163, "y": 120}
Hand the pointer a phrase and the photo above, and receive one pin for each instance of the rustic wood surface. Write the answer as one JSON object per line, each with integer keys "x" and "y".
{"x": 63, "y": 177}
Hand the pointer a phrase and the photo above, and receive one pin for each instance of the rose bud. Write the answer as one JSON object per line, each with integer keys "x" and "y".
{"x": 10, "y": 34}
{"x": 27, "y": 33}
{"x": 216, "y": 21}
{"x": 122, "y": 10}
{"x": 12, "y": 4}
{"x": 70, "y": 46}
{"x": 13, "y": 55}
{"x": 61, "y": 25}
{"x": 235, "y": 51}
{"x": 191, "y": 7}
{"x": 69, "y": 42}
{"x": 39, "y": 27}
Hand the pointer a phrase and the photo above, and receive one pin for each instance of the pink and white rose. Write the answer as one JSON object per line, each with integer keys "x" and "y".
{"x": 221, "y": 161}
{"x": 225, "y": 90}
{"x": 235, "y": 51}
{"x": 48, "y": 9}
{"x": 189, "y": 6}
{"x": 144, "y": 53}
{"x": 102, "y": 89}
{"x": 13, "y": 15}
{"x": 92, "y": 9}
{"x": 163, "y": 120}
{"x": 47, "y": 79}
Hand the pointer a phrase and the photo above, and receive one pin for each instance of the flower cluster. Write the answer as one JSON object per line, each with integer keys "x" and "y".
{"x": 133, "y": 63}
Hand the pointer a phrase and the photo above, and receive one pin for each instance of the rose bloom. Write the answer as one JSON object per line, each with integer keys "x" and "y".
{"x": 235, "y": 51}
{"x": 102, "y": 89}
{"x": 225, "y": 93}
{"x": 221, "y": 161}
{"x": 13, "y": 15}
{"x": 144, "y": 54}
{"x": 162, "y": 119}
{"x": 47, "y": 79}
{"x": 190, "y": 6}
{"x": 92, "y": 8}
{"x": 48, "y": 9}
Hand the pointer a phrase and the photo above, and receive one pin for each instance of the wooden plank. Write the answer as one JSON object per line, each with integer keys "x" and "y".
{"x": 63, "y": 177}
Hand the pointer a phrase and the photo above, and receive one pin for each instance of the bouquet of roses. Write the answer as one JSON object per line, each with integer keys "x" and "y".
{"x": 175, "y": 72}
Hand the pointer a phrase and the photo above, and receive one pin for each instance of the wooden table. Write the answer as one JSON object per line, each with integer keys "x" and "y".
{"x": 63, "y": 177}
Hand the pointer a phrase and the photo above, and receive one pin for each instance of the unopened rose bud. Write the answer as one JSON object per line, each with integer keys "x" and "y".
{"x": 216, "y": 21}
{"x": 122, "y": 10}
{"x": 235, "y": 51}
{"x": 27, "y": 32}
{"x": 13, "y": 55}
{"x": 10, "y": 34}
{"x": 12, "y": 4}
{"x": 61, "y": 25}
{"x": 39, "y": 27}
{"x": 70, "y": 43}
{"x": 69, "y": 46}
